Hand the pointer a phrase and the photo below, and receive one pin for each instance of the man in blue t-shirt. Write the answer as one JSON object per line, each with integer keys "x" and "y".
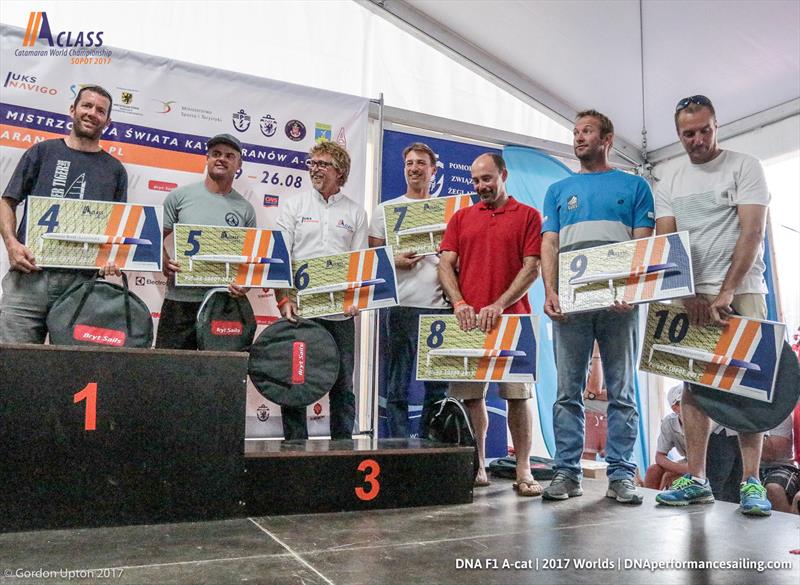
{"x": 597, "y": 206}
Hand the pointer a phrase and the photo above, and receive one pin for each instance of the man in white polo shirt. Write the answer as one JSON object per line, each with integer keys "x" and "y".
{"x": 420, "y": 293}
{"x": 721, "y": 198}
{"x": 319, "y": 222}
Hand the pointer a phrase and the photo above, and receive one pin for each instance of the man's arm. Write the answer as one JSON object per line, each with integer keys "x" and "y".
{"x": 776, "y": 448}
{"x": 680, "y": 467}
{"x": 552, "y": 307}
{"x": 447, "y": 276}
{"x": 752, "y": 221}
{"x": 488, "y": 315}
{"x": 20, "y": 257}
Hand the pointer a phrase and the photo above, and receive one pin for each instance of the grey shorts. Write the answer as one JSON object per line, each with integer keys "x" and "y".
{"x": 474, "y": 390}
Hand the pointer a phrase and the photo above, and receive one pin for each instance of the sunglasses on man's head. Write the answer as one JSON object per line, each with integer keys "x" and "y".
{"x": 700, "y": 100}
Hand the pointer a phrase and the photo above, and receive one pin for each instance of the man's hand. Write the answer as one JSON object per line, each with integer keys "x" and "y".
{"x": 289, "y": 310}
{"x": 171, "y": 267}
{"x": 237, "y": 291}
{"x": 406, "y": 260}
{"x": 552, "y": 308}
{"x": 466, "y": 317}
{"x": 621, "y": 307}
{"x": 697, "y": 310}
{"x": 110, "y": 269}
{"x": 488, "y": 316}
{"x": 21, "y": 258}
{"x": 720, "y": 308}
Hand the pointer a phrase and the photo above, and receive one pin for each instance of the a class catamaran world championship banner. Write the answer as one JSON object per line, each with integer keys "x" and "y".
{"x": 740, "y": 358}
{"x": 507, "y": 353}
{"x": 329, "y": 285}
{"x": 69, "y": 233}
{"x": 636, "y": 271}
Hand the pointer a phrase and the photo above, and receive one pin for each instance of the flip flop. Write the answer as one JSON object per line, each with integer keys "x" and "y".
{"x": 528, "y": 488}
{"x": 482, "y": 483}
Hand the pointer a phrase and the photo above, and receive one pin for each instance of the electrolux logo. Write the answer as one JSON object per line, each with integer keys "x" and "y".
{"x": 39, "y": 29}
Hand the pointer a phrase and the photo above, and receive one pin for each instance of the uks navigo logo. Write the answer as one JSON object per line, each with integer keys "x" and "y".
{"x": 39, "y": 29}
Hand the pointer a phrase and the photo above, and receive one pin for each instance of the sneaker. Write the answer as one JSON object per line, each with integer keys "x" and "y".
{"x": 562, "y": 487}
{"x": 624, "y": 491}
{"x": 753, "y": 498}
{"x": 685, "y": 491}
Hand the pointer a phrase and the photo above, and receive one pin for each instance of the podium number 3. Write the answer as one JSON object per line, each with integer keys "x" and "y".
{"x": 89, "y": 394}
{"x": 372, "y": 469}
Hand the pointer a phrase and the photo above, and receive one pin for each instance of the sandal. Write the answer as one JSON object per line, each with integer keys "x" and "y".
{"x": 528, "y": 488}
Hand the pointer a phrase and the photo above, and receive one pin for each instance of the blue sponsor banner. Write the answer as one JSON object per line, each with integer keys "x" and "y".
{"x": 452, "y": 178}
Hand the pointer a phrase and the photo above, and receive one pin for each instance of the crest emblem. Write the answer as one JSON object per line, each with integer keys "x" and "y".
{"x": 241, "y": 120}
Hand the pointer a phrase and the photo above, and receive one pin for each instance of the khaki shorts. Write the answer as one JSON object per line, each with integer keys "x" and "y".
{"x": 753, "y": 305}
{"x": 474, "y": 390}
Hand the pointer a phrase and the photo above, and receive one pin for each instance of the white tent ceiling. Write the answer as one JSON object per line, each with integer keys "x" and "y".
{"x": 571, "y": 55}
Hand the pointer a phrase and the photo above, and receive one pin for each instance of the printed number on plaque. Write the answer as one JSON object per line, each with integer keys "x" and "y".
{"x": 435, "y": 339}
{"x": 89, "y": 394}
{"x": 192, "y": 239}
{"x": 678, "y": 327}
{"x": 301, "y": 277}
{"x": 50, "y": 218}
{"x": 372, "y": 470}
{"x": 578, "y": 265}
{"x": 401, "y": 211}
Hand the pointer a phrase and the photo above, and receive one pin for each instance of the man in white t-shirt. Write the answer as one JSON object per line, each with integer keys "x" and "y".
{"x": 320, "y": 221}
{"x": 420, "y": 293}
{"x": 720, "y": 197}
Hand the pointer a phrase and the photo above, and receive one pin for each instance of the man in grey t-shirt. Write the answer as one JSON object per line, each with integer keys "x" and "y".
{"x": 213, "y": 201}
{"x": 74, "y": 167}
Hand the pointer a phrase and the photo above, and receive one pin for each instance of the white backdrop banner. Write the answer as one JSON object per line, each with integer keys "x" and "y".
{"x": 164, "y": 112}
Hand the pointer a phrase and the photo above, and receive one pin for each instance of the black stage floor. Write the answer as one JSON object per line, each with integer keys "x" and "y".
{"x": 424, "y": 545}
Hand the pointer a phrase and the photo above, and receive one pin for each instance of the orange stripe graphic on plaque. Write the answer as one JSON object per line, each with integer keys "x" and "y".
{"x": 721, "y": 348}
{"x": 655, "y": 258}
{"x": 366, "y": 274}
{"x": 740, "y": 353}
{"x": 633, "y": 281}
{"x": 247, "y": 250}
{"x": 512, "y": 324}
{"x": 261, "y": 252}
{"x": 352, "y": 276}
{"x": 488, "y": 343}
{"x": 111, "y": 230}
{"x": 134, "y": 215}
{"x": 450, "y": 208}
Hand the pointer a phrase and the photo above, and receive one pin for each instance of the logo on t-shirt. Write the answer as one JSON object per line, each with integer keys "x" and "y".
{"x": 232, "y": 219}
{"x": 572, "y": 203}
{"x": 347, "y": 226}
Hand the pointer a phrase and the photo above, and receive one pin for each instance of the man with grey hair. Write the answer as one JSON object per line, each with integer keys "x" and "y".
{"x": 320, "y": 221}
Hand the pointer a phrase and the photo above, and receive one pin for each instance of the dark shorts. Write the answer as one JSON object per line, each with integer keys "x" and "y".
{"x": 786, "y": 476}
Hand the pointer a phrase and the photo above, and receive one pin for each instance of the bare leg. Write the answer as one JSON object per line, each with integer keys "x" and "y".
{"x": 696, "y": 427}
{"x": 750, "y": 444}
{"x": 479, "y": 419}
{"x": 652, "y": 478}
{"x": 519, "y": 423}
{"x": 777, "y": 497}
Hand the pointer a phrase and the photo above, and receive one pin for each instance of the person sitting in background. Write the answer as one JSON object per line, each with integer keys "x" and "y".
{"x": 779, "y": 473}
{"x": 664, "y": 471}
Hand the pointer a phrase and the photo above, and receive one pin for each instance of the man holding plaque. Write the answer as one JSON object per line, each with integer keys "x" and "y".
{"x": 317, "y": 222}
{"x": 419, "y": 292}
{"x": 74, "y": 167}
{"x": 489, "y": 260}
{"x": 721, "y": 198}
{"x": 212, "y": 201}
{"x": 597, "y": 206}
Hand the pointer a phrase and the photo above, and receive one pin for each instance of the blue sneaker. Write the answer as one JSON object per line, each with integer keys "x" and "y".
{"x": 685, "y": 491}
{"x": 753, "y": 498}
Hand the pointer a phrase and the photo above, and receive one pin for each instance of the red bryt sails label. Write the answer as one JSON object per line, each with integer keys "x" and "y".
{"x": 98, "y": 335}
{"x": 226, "y": 328}
{"x": 299, "y": 362}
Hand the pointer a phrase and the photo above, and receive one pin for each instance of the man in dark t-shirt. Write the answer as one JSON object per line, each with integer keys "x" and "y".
{"x": 73, "y": 167}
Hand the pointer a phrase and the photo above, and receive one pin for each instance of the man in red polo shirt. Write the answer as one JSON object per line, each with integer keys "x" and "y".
{"x": 489, "y": 260}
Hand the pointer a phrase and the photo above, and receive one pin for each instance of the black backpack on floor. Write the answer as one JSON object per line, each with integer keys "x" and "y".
{"x": 541, "y": 468}
{"x": 448, "y": 422}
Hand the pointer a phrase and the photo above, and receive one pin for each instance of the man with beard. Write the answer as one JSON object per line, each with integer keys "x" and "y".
{"x": 212, "y": 201}
{"x": 489, "y": 260}
{"x": 318, "y": 222}
{"x": 419, "y": 293}
{"x": 721, "y": 198}
{"x": 597, "y": 206}
{"x": 74, "y": 167}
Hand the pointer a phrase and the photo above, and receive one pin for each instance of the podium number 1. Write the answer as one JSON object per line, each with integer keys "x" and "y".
{"x": 372, "y": 469}
{"x": 89, "y": 393}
